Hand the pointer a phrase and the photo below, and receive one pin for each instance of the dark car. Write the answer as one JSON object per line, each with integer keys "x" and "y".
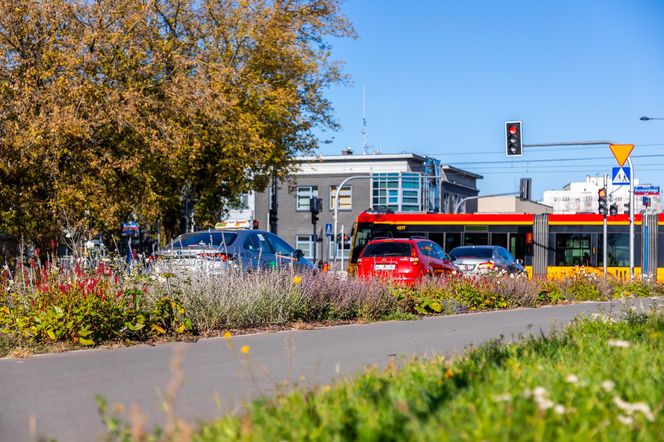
{"x": 405, "y": 260}
{"x": 474, "y": 260}
{"x": 217, "y": 251}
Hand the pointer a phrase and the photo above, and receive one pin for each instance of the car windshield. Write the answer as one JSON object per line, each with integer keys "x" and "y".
{"x": 209, "y": 239}
{"x": 387, "y": 249}
{"x": 471, "y": 252}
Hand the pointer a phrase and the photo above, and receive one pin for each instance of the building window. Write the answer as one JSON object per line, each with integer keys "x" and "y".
{"x": 572, "y": 249}
{"x": 343, "y": 247}
{"x": 303, "y": 196}
{"x": 306, "y": 244}
{"x": 345, "y": 197}
{"x": 242, "y": 204}
{"x": 397, "y": 191}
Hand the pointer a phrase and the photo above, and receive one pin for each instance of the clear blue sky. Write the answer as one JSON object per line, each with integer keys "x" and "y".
{"x": 443, "y": 76}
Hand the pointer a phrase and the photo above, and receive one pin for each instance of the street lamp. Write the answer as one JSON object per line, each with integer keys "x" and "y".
{"x": 644, "y": 118}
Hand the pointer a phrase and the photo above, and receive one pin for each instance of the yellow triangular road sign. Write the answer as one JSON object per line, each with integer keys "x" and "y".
{"x": 621, "y": 152}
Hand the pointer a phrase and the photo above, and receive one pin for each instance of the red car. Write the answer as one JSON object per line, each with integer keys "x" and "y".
{"x": 404, "y": 260}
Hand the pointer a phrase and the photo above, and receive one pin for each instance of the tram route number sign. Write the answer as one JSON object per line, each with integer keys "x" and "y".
{"x": 621, "y": 176}
{"x": 646, "y": 190}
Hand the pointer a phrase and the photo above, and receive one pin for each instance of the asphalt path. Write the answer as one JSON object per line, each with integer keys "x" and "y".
{"x": 53, "y": 395}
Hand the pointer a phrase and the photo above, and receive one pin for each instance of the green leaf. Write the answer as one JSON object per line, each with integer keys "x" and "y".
{"x": 51, "y": 334}
{"x": 436, "y": 307}
{"x": 85, "y": 341}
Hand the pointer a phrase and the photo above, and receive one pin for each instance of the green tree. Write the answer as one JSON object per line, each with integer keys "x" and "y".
{"x": 111, "y": 107}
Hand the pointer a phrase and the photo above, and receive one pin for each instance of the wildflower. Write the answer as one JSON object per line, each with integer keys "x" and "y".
{"x": 544, "y": 404}
{"x": 559, "y": 409}
{"x": 608, "y": 385}
{"x": 448, "y": 373}
{"x": 572, "y": 379}
{"x": 245, "y": 349}
{"x": 325, "y": 388}
{"x": 626, "y": 420}
{"x": 540, "y": 392}
{"x": 630, "y": 408}
{"x": 618, "y": 343}
{"x": 227, "y": 336}
{"x": 297, "y": 279}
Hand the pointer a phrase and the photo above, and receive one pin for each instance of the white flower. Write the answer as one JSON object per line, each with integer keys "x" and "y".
{"x": 627, "y": 420}
{"x": 608, "y": 385}
{"x": 559, "y": 409}
{"x": 543, "y": 403}
{"x": 618, "y": 343}
{"x": 630, "y": 408}
{"x": 644, "y": 409}
{"x": 571, "y": 379}
{"x": 540, "y": 392}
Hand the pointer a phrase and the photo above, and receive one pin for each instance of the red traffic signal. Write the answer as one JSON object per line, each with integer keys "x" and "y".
{"x": 513, "y": 139}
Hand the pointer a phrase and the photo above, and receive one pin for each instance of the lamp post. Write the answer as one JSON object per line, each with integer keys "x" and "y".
{"x": 644, "y": 118}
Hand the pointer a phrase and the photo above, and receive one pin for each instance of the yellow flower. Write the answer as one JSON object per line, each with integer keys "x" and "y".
{"x": 245, "y": 349}
{"x": 227, "y": 336}
{"x": 297, "y": 279}
{"x": 325, "y": 388}
{"x": 448, "y": 373}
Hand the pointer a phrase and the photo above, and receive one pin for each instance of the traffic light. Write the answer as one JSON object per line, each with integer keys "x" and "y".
{"x": 315, "y": 206}
{"x": 602, "y": 202}
{"x": 525, "y": 186}
{"x": 613, "y": 209}
{"x": 513, "y": 141}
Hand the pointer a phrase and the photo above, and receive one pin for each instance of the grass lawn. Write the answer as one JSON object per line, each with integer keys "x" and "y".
{"x": 598, "y": 379}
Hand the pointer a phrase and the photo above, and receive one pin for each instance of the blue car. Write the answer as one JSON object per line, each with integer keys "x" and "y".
{"x": 218, "y": 251}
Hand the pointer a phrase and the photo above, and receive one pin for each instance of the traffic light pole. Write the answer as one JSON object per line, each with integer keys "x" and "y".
{"x": 631, "y": 191}
{"x": 631, "y": 219}
{"x": 604, "y": 233}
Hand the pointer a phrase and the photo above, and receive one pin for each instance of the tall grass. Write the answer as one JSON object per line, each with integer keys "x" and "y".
{"x": 237, "y": 300}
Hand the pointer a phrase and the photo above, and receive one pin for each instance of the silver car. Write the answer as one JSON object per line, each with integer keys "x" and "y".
{"x": 475, "y": 260}
{"x": 217, "y": 251}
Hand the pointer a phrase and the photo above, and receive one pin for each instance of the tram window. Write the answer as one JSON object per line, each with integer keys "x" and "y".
{"x": 499, "y": 239}
{"x": 617, "y": 250}
{"x": 518, "y": 246}
{"x": 475, "y": 239}
{"x": 452, "y": 240}
{"x": 362, "y": 236}
{"x": 572, "y": 249}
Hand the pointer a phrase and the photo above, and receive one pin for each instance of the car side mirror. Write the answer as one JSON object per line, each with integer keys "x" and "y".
{"x": 299, "y": 254}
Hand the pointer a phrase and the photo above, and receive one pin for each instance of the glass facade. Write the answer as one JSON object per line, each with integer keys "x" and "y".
{"x": 398, "y": 191}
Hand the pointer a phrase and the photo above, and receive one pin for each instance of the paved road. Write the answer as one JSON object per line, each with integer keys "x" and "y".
{"x": 57, "y": 390}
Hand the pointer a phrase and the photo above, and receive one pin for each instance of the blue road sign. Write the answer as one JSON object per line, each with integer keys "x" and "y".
{"x": 621, "y": 176}
{"x": 646, "y": 190}
{"x": 328, "y": 229}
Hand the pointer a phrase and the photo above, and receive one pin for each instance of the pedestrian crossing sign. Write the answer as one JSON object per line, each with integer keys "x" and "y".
{"x": 621, "y": 176}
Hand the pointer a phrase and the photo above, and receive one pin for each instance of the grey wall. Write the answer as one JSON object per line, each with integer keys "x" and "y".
{"x": 292, "y": 222}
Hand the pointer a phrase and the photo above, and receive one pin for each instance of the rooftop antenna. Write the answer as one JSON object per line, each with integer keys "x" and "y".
{"x": 364, "y": 132}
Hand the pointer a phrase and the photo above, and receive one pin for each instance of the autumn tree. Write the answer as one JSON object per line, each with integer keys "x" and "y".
{"x": 111, "y": 107}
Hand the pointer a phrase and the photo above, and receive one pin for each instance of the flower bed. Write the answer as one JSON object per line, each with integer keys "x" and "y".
{"x": 45, "y": 305}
